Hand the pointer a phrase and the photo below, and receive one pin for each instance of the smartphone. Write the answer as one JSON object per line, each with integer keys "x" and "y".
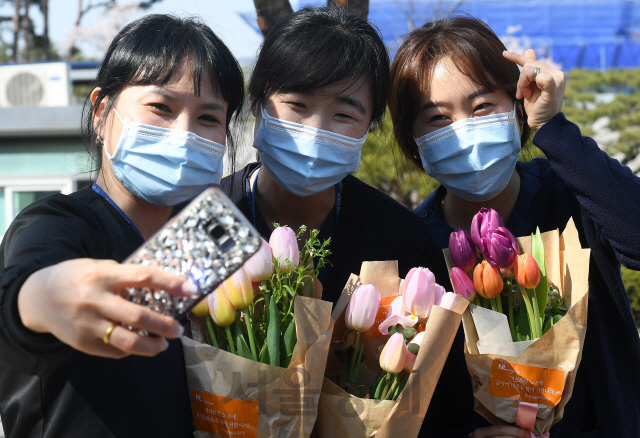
{"x": 205, "y": 243}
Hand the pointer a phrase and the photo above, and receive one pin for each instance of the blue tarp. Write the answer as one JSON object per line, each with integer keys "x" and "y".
{"x": 586, "y": 34}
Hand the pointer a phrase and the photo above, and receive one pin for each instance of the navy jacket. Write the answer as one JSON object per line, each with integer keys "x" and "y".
{"x": 576, "y": 180}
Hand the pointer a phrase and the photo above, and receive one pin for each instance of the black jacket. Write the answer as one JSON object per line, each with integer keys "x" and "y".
{"x": 371, "y": 226}
{"x": 48, "y": 389}
{"x": 576, "y": 180}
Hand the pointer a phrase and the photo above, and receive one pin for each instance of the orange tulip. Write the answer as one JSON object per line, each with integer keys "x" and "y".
{"x": 526, "y": 271}
{"x": 487, "y": 280}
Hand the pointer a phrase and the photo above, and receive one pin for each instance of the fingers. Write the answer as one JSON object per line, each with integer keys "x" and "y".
{"x": 117, "y": 276}
{"x": 531, "y": 54}
{"x": 117, "y": 309}
{"x": 127, "y": 342}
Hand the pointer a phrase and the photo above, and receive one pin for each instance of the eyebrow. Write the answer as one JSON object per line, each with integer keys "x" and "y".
{"x": 477, "y": 93}
{"x": 352, "y": 101}
{"x": 214, "y": 106}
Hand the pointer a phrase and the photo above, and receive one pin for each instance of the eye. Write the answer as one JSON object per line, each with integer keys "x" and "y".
{"x": 482, "y": 106}
{"x": 209, "y": 119}
{"x": 297, "y": 105}
{"x": 345, "y": 117}
{"x": 438, "y": 118}
{"x": 160, "y": 107}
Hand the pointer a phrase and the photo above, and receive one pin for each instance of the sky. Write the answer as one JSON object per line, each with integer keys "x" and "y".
{"x": 221, "y": 15}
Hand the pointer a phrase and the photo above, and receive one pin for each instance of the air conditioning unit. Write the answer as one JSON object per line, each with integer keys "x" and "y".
{"x": 40, "y": 84}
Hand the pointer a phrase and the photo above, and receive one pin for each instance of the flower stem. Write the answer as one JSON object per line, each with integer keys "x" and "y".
{"x": 536, "y": 312}
{"x": 532, "y": 322}
{"x": 355, "y": 355}
{"x": 394, "y": 385}
{"x": 499, "y": 302}
{"x": 212, "y": 334}
{"x": 252, "y": 342}
{"x": 510, "y": 303}
{"x": 494, "y": 306}
{"x": 387, "y": 380}
{"x": 476, "y": 300}
{"x": 232, "y": 347}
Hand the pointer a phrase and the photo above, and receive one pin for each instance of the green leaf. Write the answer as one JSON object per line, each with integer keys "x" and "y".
{"x": 414, "y": 348}
{"x": 522, "y": 323}
{"x": 537, "y": 251}
{"x": 341, "y": 354}
{"x": 374, "y": 387}
{"x": 380, "y": 387}
{"x": 409, "y": 332}
{"x": 273, "y": 334}
{"x": 289, "y": 341}
{"x": 264, "y": 354}
{"x": 242, "y": 349}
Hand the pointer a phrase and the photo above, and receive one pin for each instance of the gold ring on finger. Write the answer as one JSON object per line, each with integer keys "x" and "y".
{"x": 535, "y": 73}
{"x": 107, "y": 334}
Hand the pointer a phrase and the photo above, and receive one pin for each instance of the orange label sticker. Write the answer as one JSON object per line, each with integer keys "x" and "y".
{"x": 526, "y": 383}
{"x": 224, "y": 416}
{"x": 383, "y": 310}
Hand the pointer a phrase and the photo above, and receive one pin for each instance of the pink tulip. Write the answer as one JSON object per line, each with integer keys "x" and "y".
{"x": 393, "y": 320}
{"x": 394, "y": 354}
{"x": 462, "y": 250}
{"x": 419, "y": 292}
{"x": 487, "y": 219}
{"x": 362, "y": 308}
{"x": 397, "y": 308}
{"x": 260, "y": 266}
{"x": 239, "y": 289}
{"x": 440, "y": 291}
{"x": 447, "y": 300}
{"x": 284, "y": 246}
{"x": 462, "y": 284}
{"x": 411, "y": 358}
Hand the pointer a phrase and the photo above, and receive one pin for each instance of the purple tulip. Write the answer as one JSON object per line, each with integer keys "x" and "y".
{"x": 485, "y": 220}
{"x": 362, "y": 308}
{"x": 500, "y": 248}
{"x": 462, "y": 284}
{"x": 462, "y": 250}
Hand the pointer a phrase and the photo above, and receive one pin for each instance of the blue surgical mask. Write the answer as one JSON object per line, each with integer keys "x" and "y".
{"x": 305, "y": 160}
{"x": 165, "y": 166}
{"x": 473, "y": 158}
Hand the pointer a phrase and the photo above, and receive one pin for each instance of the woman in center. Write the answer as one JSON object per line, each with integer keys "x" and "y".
{"x": 320, "y": 83}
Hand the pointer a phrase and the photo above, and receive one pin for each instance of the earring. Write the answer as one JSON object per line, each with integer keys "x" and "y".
{"x": 99, "y": 141}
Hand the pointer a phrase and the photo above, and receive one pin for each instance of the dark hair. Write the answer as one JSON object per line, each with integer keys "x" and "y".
{"x": 148, "y": 51}
{"x": 474, "y": 49}
{"x": 316, "y": 47}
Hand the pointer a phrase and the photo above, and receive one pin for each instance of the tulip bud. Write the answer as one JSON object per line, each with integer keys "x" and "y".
{"x": 260, "y": 266}
{"x": 462, "y": 250}
{"x": 447, "y": 300}
{"x": 462, "y": 284}
{"x": 239, "y": 289}
{"x": 487, "y": 280}
{"x": 397, "y": 308}
{"x": 362, "y": 308}
{"x": 284, "y": 246}
{"x": 419, "y": 292}
{"x": 411, "y": 358}
{"x": 500, "y": 248}
{"x": 526, "y": 271}
{"x": 222, "y": 311}
{"x": 394, "y": 354}
{"x": 485, "y": 220}
{"x": 201, "y": 309}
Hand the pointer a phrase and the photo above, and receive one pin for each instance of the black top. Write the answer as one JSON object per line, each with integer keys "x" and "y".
{"x": 576, "y": 180}
{"x": 48, "y": 389}
{"x": 370, "y": 226}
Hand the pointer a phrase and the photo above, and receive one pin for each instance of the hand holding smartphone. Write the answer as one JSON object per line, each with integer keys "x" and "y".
{"x": 205, "y": 243}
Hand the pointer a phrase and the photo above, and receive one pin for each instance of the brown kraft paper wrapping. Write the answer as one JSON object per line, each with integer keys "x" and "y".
{"x": 288, "y": 398}
{"x": 342, "y": 415}
{"x": 560, "y": 348}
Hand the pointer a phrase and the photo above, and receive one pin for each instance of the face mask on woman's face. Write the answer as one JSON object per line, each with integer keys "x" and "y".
{"x": 473, "y": 158}
{"x": 305, "y": 160}
{"x": 164, "y": 166}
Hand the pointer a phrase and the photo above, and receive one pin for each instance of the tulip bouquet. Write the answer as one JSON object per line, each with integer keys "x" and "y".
{"x": 263, "y": 323}
{"x": 525, "y": 330}
{"x": 389, "y": 345}
{"x": 492, "y": 256}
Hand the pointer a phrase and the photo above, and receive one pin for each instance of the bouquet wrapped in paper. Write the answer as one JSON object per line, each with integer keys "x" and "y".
{"x": 389, "y": 344}
{"x": 524, "y": 334}
{"x": 258, "y": 345}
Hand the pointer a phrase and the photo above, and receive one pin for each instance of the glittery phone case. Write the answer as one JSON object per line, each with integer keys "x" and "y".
{"x": 206, "y": 242}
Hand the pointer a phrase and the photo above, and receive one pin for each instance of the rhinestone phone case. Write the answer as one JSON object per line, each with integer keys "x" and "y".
{"x": 206, "y": 242}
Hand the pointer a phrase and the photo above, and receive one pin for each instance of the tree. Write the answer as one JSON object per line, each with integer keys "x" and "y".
{"x": 26, "y": 44}
{"x": 270, "y": 11}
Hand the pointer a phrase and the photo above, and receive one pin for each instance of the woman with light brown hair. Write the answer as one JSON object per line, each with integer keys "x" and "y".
{"x": 462, "y": 109}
